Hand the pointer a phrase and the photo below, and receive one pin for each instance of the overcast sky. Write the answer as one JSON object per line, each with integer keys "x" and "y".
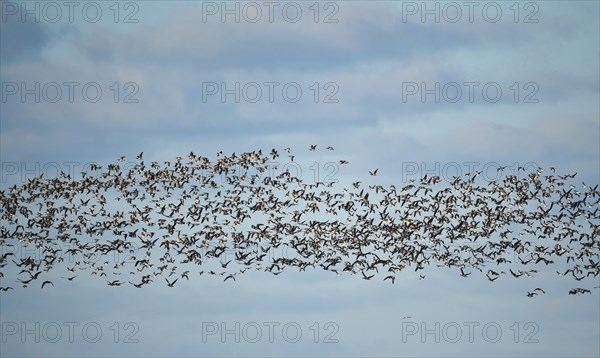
{"x": 407, "y": 87}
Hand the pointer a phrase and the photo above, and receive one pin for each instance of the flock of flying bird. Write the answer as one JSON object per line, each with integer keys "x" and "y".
{"x": 148, "y": 222}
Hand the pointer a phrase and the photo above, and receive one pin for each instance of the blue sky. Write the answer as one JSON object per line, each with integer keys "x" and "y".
{"x": 371, "y": 61}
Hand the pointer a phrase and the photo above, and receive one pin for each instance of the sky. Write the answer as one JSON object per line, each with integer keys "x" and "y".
{"x": 411, "y": 88}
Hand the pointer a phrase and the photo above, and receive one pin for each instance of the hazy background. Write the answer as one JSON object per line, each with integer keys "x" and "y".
{"x": 360, "y": 76}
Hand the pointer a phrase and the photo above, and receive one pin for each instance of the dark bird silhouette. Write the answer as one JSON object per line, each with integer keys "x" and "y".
{"x": 579, "y": 291}
{"x": 367, "y": 277}
{"x": 171, "y": 284}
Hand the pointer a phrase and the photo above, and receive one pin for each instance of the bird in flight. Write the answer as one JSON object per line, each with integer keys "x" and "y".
{"x": 171, "y": 284}
{"x": 579, "y": 291}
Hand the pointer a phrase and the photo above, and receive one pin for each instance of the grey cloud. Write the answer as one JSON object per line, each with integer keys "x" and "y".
{"x": 20, "y": 40}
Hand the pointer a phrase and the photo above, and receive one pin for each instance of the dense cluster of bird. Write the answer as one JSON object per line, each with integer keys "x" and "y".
{"x": 171, "y": 221}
